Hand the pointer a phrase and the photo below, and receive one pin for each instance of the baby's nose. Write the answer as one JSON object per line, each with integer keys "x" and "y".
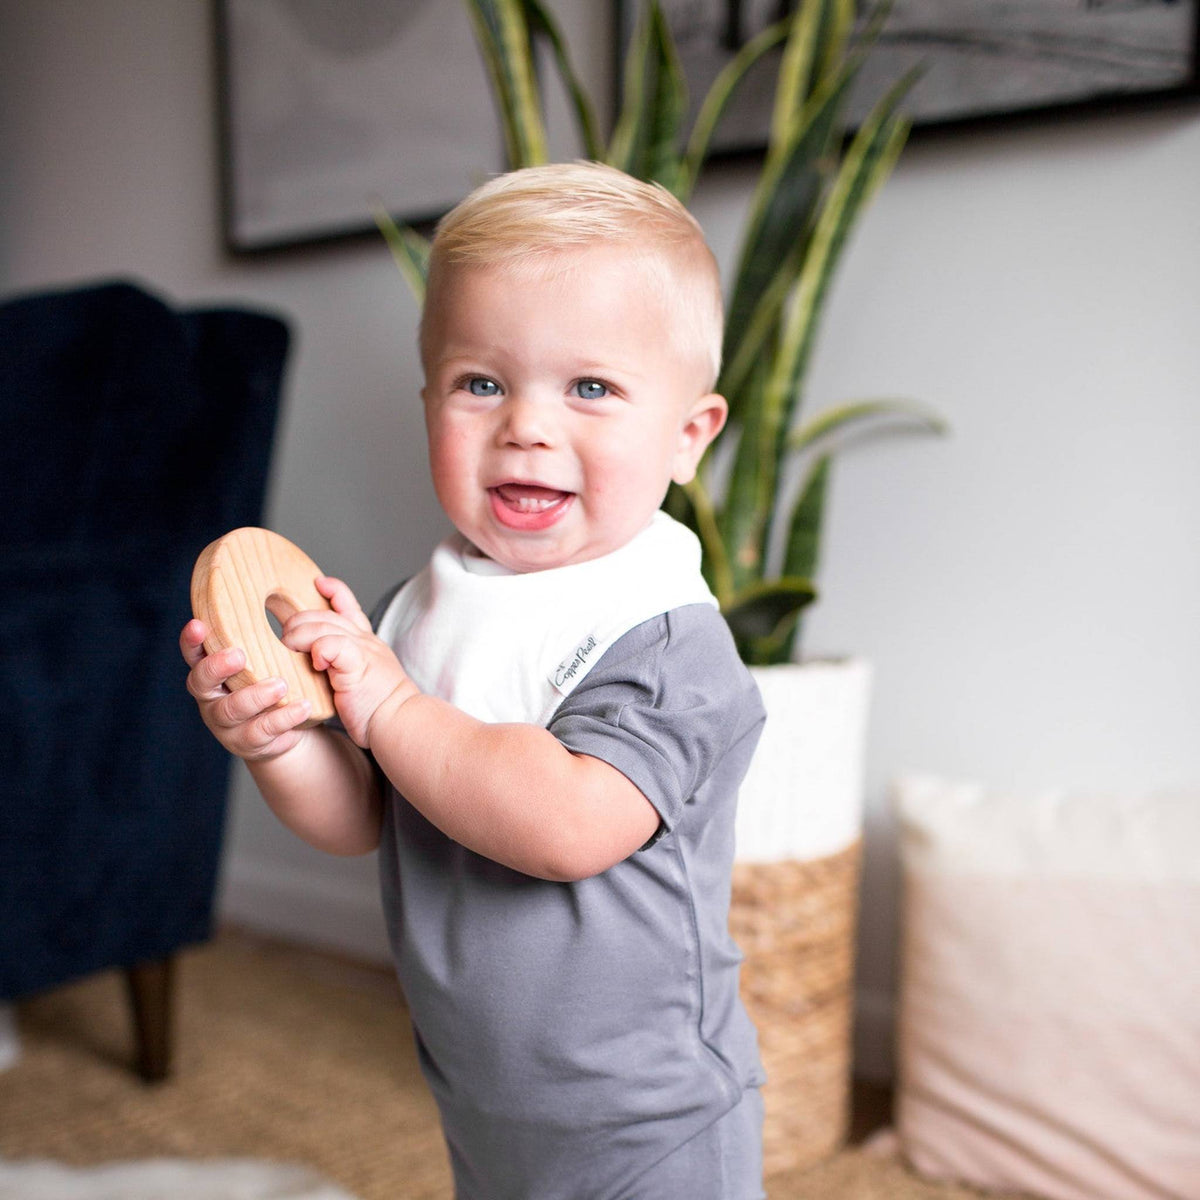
{"x": 527, "y": 422}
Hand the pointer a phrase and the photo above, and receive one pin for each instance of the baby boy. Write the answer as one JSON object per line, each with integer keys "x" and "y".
{"x": 544, "y": 731}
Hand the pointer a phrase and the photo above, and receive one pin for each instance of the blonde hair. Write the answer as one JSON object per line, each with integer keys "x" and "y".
{"x": 525, "y": 219}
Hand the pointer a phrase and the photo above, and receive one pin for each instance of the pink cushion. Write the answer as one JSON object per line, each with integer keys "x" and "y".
{"x": 1049, "y": 1036}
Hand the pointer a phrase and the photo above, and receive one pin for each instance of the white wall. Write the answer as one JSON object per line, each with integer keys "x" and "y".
{"x": 1024, "y": 588}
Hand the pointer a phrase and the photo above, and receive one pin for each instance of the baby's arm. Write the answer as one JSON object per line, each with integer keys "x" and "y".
{"x": 513, "y": 793}
{"x": 316, "y": 781}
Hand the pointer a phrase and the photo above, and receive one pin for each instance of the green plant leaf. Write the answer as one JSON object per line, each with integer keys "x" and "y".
{"x": 867, "y": 161}
{"x": 646, "y": 141}
{"x": 749, "y": 491}
{"x": 783, "y": 214}
{"x": 541, "y": 22}
{"x": 717, "y": 99}
{"x": 837, "y": 31}
{"x": 704, "y": 521}
{"x": 815, "y": 47}
{"x": 503, "y": 37}
{"x": 835, "y": 420}
{"x": 409, "y": 249}
{"x": 795, "y": 178}
{"x": 676, "y": 504}
{"x": 795, "y": 81}
{"x": 777, "y": 392}
{"x": 777, "y": 397}
{"x": 762, "y": 618}
{"x": 864, "y": 41}
{"x": 754, "y": 340}
{"x": 802, "y": 553}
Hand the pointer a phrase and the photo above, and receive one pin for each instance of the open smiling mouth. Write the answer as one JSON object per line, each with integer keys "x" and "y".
{"x": 529, "y": 506}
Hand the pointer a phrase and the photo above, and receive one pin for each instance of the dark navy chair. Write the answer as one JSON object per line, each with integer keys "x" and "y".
{"x": 132, "y": 433}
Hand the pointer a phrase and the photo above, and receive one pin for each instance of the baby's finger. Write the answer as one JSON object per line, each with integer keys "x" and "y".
{"x": 191, "y": 641}
{"x": 236, "y": 708}
{"x": 343, "y": 600}
{"x": 335, "y": 650}
{"x": 206, "y": 680}
{"x": 301, "y": 630}
{"x": 265, "y": 732}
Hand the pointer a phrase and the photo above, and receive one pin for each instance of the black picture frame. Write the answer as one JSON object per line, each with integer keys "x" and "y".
{"x": 996, "y": 62}
{"x": 326, "y": 110}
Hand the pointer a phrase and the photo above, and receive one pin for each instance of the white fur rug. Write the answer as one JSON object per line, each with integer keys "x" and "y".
{"x": 165, "y": 1179}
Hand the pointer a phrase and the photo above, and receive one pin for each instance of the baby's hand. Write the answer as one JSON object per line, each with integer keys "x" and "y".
{"x": 247, "y": 722}
{"x": 363, "y": 671}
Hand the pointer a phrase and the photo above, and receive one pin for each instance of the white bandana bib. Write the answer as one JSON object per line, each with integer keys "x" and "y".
{"x": 504, "y": 646}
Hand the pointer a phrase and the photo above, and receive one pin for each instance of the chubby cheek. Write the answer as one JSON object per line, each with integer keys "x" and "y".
{"x": 451, "y": 468}
{"x": 627, "y": 482}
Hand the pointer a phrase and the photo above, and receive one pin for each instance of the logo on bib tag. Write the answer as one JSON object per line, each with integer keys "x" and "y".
{"x": 574, "y": 666}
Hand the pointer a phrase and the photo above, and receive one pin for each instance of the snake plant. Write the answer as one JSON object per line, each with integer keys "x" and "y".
{"x": 759, "y": 516}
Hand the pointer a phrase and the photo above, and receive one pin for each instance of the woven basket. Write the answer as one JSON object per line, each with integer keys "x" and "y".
{"x": 794, "y": 922}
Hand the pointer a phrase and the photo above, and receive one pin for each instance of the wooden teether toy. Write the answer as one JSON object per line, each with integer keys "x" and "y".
{"x": 236, "y": 581}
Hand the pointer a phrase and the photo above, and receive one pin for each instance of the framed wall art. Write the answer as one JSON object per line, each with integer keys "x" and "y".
{"x": 329, "y": 108}
{"x": 984, "y": 59}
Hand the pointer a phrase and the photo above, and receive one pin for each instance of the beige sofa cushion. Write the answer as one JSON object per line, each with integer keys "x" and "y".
{"x": 1049, "y": 1035}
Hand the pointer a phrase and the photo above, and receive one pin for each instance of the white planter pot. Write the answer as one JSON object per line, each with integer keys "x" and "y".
{"x": 803, "y": 795}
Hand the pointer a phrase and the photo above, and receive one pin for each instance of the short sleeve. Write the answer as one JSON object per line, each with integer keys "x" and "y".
{"x": 663, "y": 706}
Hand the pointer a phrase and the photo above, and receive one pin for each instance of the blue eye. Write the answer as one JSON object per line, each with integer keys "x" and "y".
{"x": 591, "y": 389}
{"x": 480, "y": 385}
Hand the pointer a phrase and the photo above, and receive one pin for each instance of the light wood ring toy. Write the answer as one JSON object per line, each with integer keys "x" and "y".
{"x": 236, "y": 581}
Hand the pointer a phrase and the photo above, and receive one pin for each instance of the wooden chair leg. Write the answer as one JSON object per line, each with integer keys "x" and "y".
{"x": 150, "y": 990}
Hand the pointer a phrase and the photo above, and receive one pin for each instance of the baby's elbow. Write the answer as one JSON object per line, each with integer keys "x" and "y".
{"x": 607, "y": 820}
{"x": 358, "y": 848}
{"x": 352, "y": 839}
{"x": 569, "y": 871}
{"x": 574, "y": 870}
{"x": 350, "y": 845}
{"x": 562, "y": 862}
{"x": 576, "y": 855}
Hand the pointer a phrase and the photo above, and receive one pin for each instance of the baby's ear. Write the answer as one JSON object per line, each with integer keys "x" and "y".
{"x": 703, "y": 423}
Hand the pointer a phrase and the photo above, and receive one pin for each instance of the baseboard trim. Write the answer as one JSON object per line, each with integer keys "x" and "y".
{"x": 304, "y": 908}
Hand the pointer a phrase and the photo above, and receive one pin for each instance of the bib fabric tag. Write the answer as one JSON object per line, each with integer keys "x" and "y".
{"x": 575, "y": 666}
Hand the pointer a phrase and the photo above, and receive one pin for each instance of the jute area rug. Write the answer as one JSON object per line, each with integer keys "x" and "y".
{"x": 280, "y": 1058}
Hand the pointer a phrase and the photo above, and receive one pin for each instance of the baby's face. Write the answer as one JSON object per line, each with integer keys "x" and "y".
{"x": 559, "y": 408}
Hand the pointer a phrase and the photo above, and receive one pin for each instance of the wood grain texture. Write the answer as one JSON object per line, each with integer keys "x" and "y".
{"x": 239, "y": 578}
